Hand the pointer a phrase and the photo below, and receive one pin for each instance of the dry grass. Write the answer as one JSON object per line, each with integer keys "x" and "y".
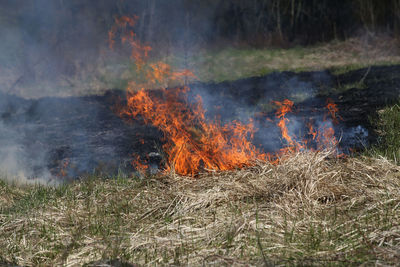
{"x": 311, "y": 209}
{"x": 354, "y": 53}
{"x": 111, "y": 70}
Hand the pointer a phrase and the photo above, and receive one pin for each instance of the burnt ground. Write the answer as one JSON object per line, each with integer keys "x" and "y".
{"x": 76, "y": 135}
{"x": 81, "y": 134}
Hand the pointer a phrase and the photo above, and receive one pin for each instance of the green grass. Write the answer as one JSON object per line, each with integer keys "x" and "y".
{"x": 387, "y": 124}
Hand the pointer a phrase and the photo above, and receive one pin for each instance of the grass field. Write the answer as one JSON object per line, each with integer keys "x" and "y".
{"x": 235, "y": 63}
{"x": 312, "y": 209}
{"x": 113, "y": 71}
{"x": 309, "y": 210}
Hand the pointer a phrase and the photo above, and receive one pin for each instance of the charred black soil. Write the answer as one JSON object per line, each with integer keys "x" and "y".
{"x": 68, "y": 137}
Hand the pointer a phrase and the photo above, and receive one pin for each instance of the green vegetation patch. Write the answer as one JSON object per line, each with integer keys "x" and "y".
{"x": 387, "y": 124}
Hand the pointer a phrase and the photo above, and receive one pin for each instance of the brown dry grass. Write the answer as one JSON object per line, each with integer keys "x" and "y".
{"x": 340, "y": 56}
{"x": 311, "y": 209}
{"x": 112, "y": 70}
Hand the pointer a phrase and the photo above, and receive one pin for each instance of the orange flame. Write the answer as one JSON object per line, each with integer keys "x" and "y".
{"x": 333, "y": 110}
{"x": 312, "y": 131}
{"x": 124, "y": 25}
{"x": 194, "y": 143}
{"x": 64, "y": 168}
{"x": 285, "y": 107}
{"x": 329, "y": 140}
{"x": 139, "y": 166}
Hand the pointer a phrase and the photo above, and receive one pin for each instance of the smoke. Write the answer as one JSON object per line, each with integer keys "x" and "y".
{"x": 251, "y": 100}
{"x": 59, "y": 48}
{"x": 16, "y": 164}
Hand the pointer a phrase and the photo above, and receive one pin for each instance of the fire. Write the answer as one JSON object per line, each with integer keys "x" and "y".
{"x": 137, "y": 162}
{"x": 124, "y": 25}
{"x": 285, "y": 107}
{"x": 330, "y": 140}
{"x": 333, "y": 110}
{"x": 311, "y": 131}
{"x": 64, "y": 168}
{"x": 324, "y": 137}
{"x": 194, "y": 143}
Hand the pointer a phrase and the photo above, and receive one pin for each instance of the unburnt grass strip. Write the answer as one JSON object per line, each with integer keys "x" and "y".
{"x": 311, "y": 209}
{"x": 209, "y": 64}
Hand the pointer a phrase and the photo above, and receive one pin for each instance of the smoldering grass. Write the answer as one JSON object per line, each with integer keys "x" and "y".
{"x": 311, "y": 209}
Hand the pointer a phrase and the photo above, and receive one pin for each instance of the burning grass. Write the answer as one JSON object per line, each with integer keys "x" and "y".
{"x": 308, "y": 207}
{"x": 311, "y": 209}
{"x": 193, "y": 142}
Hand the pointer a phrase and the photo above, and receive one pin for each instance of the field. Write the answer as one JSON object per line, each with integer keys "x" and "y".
{"x": 212, "y": 64}
{"x": 311, "y": 209}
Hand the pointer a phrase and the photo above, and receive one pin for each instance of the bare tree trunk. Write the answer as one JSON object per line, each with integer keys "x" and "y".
{"x": 278, "y": 19}
{"x": 396, "y": 26}
{"x": 372, "y": 14}
{"x": 299, "y": 7}
{"x": 366, "y": 13}
{"x": 292, "y": 14}
{"x": 238, "y": 21}
{"x": 260, "y": 16}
